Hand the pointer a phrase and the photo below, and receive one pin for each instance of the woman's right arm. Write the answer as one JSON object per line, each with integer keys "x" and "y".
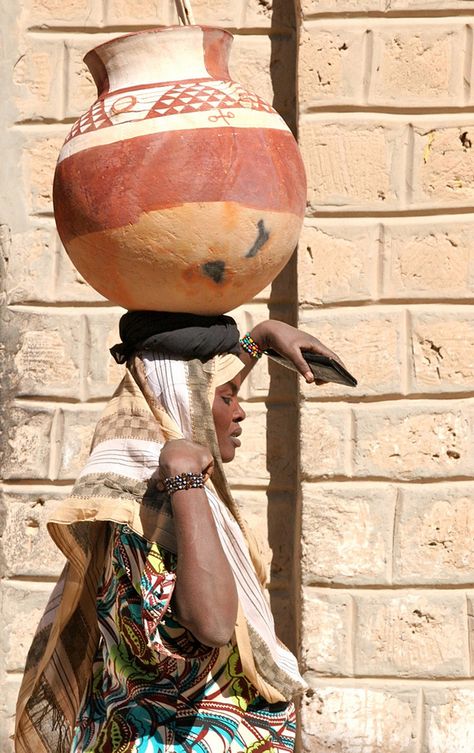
{"x": 205, "y": 595}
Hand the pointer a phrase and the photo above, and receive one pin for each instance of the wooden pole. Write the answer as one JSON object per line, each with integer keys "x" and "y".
{"x": 185, "y": 12}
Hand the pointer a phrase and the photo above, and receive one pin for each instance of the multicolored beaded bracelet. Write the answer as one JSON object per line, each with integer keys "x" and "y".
{"x": 248, "y": 344}
{"x": 183, "y": 481}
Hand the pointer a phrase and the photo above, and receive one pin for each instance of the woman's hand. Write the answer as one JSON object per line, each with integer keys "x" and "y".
{"x": 289, "y": 342}
{"x": 183, "y": 456}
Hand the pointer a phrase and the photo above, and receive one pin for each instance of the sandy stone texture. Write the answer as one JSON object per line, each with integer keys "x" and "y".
{"x": 359, "y": 720}
{"x": 416, "y": 62}
{"x": 428, "y": 259}
{"x": 347, "y": 533}
{"x": 433, "y": 533}
{"x": 411, "y": 635}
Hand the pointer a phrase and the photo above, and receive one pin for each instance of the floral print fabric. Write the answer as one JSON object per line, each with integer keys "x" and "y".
{"x": 154, "y": 686}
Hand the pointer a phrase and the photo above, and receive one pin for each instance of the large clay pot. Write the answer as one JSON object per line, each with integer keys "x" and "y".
{"x": 178, "y": 190}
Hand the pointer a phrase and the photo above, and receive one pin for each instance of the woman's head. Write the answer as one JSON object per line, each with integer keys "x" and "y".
{"x": 228, "y": 415}
{"x": 179, "y": 387}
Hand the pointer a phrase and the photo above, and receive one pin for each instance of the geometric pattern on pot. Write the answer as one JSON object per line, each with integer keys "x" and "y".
{"x": 188, "y": 97}
{"x": 154, "y": 102}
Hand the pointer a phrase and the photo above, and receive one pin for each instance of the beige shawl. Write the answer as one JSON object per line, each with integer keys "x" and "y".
{"x": 117, "y": 485}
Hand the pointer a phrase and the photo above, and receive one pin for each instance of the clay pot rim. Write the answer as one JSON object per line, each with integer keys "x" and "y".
{"x": 154, "y": 30}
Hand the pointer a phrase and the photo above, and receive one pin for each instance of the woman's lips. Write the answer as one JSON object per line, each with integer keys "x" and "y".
{"x": 235, "y": 437}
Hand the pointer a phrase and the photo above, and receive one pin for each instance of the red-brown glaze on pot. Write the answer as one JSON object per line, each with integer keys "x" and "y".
{"x": 176, "y": 168}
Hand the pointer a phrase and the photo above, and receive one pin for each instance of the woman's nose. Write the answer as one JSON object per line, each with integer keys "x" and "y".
{"x": 240, "y": 414}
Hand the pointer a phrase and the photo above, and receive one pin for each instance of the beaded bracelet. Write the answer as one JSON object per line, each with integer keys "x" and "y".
{"x": 248, "y": 344}
{"x": 183, "y": 481}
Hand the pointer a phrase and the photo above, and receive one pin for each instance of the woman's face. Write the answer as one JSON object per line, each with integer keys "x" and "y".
{"x": 228, "y": 414}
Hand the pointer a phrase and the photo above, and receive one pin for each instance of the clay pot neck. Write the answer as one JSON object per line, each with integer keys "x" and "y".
{"x": 164, "y": 54}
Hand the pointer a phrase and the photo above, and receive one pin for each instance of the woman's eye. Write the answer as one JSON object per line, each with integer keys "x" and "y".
{"x": 227, "y": 400}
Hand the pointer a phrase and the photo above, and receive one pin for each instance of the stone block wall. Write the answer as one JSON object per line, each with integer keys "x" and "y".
{"x": 385, "y": 277}
{"x": 371, "y": 576}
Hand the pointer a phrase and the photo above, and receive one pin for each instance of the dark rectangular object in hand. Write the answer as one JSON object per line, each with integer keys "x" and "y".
{"x": 324, "y": 369}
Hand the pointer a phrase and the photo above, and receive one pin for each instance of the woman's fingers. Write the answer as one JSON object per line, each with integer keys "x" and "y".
{"x": 297, "y": 357}
{"x": 290, "y": 342}
{"x": 315, "y": 346}
{"x": 312, "y": 345}
{"x": 208, "y": 470}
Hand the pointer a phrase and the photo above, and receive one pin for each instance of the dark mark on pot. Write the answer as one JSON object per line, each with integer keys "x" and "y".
{"x": 214, "y": 269}
{"x": 262, "y": 237}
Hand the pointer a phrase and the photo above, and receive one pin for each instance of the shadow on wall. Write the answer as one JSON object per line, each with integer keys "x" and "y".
{"x": 282, "y": 418}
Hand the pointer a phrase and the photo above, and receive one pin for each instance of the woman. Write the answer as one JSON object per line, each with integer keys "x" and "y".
{"x": 158, "y": 636}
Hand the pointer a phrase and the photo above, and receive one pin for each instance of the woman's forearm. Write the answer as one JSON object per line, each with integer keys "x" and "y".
{"x": 205, "y": 597}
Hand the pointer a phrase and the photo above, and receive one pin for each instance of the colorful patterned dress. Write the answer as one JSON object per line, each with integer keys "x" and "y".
{"x": 154, "y": 686}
